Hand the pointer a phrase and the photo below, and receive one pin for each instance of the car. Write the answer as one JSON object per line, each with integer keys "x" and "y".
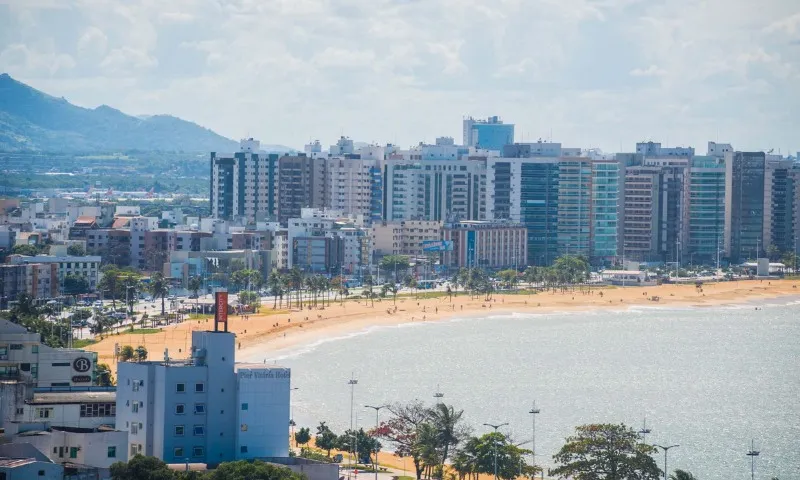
{"x": 98, "y": 304}
{"x": 193, "y": 296}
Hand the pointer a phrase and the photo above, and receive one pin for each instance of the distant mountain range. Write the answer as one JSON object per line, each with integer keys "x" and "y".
{"x": 31, "y": 120}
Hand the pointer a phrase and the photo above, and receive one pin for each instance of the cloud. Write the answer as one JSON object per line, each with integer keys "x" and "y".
{"x": 176, "y": 17}
{"x": 651, "y": 71}
{"x": 93, "y": 42}
{"x": 340, "y": 57}
{"x": 18, "y": 57}
{"x": 789, "y": 25}
{"x": 126, "y": 59}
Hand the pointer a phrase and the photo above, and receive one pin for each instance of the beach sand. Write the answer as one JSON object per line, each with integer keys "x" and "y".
{"x": 261, "y": 334}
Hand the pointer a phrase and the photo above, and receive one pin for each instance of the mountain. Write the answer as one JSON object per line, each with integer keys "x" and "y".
{"x": 31, "y": 120}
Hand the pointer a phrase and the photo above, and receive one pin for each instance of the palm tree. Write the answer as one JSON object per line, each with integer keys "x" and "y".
{"x": 448, "y": 431}
{"x": 110, "y": 283}
{"x": 311, "y": 285}
{"x": 682, "y": 475}
{"x": 159, "y": 287}
{"x": 275, "y": 285}
{"x": 195, "y": 284}
{"x": 296, "y": 279}
{"x": 368, "y": 289}
{"x": 131, "y": 285}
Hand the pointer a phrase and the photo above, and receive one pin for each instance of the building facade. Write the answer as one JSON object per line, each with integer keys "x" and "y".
{"x": 302, "y": 183}
{"x": 704, "y": 222}
{"x": 485, "y": 244}
{"x": 489, "y": 134}
{"x": 745, "y": 177}
{"x": 244, "y": 184}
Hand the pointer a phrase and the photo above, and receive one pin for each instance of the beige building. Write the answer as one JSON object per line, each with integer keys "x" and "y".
{"x": 405, "y": 237}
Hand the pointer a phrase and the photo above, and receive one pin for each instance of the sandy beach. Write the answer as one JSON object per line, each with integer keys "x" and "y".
{"x": 271, "y": 330}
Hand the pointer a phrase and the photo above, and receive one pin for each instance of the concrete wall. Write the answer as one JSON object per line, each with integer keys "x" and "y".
{"x": 262, "y": 412}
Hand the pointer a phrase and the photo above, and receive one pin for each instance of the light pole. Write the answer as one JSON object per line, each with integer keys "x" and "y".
{"x": 291, "y": 413}
{"x": 666, "y": 449}
{"x": 438, "y": 395}
{"x": 353, "y": 382}
{"x": 753, "y": 453}
{"x": 534, "y": 411}
{"x": 375, "y": 463}
{"x": 495, "y": 427}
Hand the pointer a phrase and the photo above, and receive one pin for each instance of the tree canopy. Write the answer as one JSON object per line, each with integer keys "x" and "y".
{"x": 605, "y": 452}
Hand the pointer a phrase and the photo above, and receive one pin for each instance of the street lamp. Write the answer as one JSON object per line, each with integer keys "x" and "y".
{"x": 753, "y": 453}
{"x": 534, "y": 411}
{"x": 666, "y": 449}
{"x": 377, "y": 409}
{"x": 495, "y": 427}
{"x": 438, "y": 395}
{"x": 352, "y": 382}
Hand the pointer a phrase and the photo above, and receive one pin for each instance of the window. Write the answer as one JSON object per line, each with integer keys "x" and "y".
{"x": 243, "y": 449}
{"x": 59, "y": 384}
{"x": 61, "y": 364}
{"x": 44, "y": 412}
{"x": 135, "y": 408}
{"x": 20, "y": 411}
{"x": 244, "y": 427}
{"x": 180, "y": 409}
{"x": 244, "y": 406}
{"x": 179, "y": 430}
{"x": 73, "y": 452}
{"x": 134, "y": 429}
{"x": 100, "y": 409}
{"x": 197, "y": 451}
{"x": 178, "y": 452}
{"x": 199, "y": 408}
{"x": 180, "y": 388}
{"x": 34, "y": 348}
{"x": 199, "y": 430}
{"x": 112, "y": 452}
{"x": 16, "y": 346}
{"x": 199, "y": 388}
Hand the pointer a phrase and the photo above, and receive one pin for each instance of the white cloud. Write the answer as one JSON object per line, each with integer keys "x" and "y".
{"x": 651, "y": 71}
{"x": 93, "y": 42}
{"x": 125, "y": 59}
{"x": 789, "y": 25}
{"x": 20, "y": 58}
{"x": 340, "y": 57}
{"x": 175, "y": 17}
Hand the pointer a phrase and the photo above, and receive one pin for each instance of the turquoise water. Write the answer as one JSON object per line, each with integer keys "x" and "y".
{"x": 708, "y": 379}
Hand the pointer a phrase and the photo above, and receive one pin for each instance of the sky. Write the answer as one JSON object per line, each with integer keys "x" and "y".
{"x": 586, "y": 73}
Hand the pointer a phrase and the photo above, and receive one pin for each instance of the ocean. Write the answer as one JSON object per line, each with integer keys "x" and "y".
{"x": 708, "y": 379}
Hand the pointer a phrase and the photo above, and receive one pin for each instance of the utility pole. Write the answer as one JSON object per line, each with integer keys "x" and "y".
{"x": 495, "y": 427}
{"x": 666, "y": 450}
{"x": 753, "y": 453}
{"x": 534, "y": 411}
{"x": 438, "y": 395}
{"x": 644, "y": 431}
{"x": 377, "y": 409}
{"x": 353, "y": 382}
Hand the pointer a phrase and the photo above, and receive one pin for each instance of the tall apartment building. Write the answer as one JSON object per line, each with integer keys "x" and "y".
{"x": 352, "y": 186}
{"x": 436, "y": 190}
{"x": 244, "y": 184}
{"x": 704, "y": 222}
{"x": 780, "y": 204}
{"x": 204, "y": 409}
{"x": 489, "y": 134}
{"x": 36, "y": 279}
{"x": 641, "y": 212}
{"x": 526, "y": 191}
{"x": 745, "y": 178}
{"x": 574, "y": 206}
{"x": 607, "y": 188}
{"x": 302, "y": 184}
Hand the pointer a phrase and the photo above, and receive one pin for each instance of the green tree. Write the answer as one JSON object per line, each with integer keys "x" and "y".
{"x": 449, "y": 428}
{"x": 27, "y": 250}
{"x": 396, "y": 264}
{"x": 508, "y": 278}
{"x": 131, "y": 286}
{"x": 325, "y": 438}
{"x": 256, "y": 470}
{"x": 682, "y": 475}
{"x": 75, "y": 284}
{"x": 275, "y": 284}
{"x": 392, "y": 288}
{"x": 159, "y": 287}
{"x": 141, "y": 353}
{"x": 195, "y": 284}
{"x": 302, "y": 437}
{"x": 249, "y": 298}
{"x": 109, "y": 284}
{"x": 126, "y": 353}
{"x": 104, "y": 376}
{"x": 76, "y": 250}
{"x": 358, "y": 442}
{"x": 141, "y": 468}
{"x": 403, "y": 430}
{"x": 605, "y": 452}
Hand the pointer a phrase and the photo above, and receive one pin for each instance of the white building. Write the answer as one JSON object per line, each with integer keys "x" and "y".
{"x": 244, "y": 183}
{"x": 86, "y": 266}
{"x": 350, "y": 185}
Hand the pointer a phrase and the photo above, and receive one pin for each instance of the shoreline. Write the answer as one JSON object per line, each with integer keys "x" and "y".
{"x": 276, "y": 334}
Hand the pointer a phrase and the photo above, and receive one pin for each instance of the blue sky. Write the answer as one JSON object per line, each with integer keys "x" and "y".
{"x": 591, "y": 73}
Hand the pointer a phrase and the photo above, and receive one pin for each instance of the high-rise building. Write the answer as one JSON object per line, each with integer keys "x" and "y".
{"x": 704, "y": 221}
{"x": 574, "y": 206}
{"x": 489, "y": 134}
{"x": 352, "y": 185}
{"x": 438, "y": 190}
{"x": 243, "y": 184}
{"x": 485, "y": 244}
{"x": 780, "y": 205}
{"x": 302, "y": 183}
{"x": 526, "y": 191}
{"x": 744, "y": 205}
{"x": 641, "y": 212}
{"x": 605, "y": 219}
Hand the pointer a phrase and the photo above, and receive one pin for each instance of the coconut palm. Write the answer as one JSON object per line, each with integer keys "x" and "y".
{"x": 682, "y": 475}
{"x": 449, "y": 431}
{"x": 275, "y": 285}
{"x": 159, "y": 287}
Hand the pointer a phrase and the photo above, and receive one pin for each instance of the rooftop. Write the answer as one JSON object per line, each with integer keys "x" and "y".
{"x": 72, "y": 397}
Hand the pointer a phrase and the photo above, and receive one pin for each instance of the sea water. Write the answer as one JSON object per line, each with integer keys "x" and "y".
{"x": 708, "y": 379}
